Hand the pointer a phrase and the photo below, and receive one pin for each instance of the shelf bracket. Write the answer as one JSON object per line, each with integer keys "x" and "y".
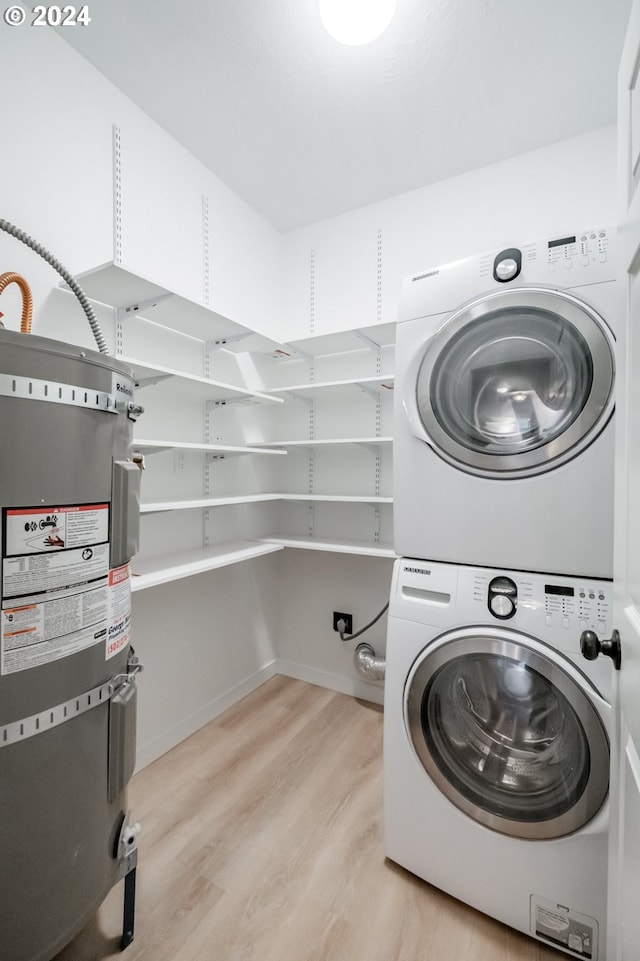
{"x": 152, "y": 379}
{"x": 372, "y": 448}
{"x": 221, "y": 342}
{"x": 367, "y": 341}
{"x": 369, "y": 391}
{"x": 300, "y": 398}
{"x": 139, "y": 305}
{"x": 299, "y": 353}
{"x": 230, "y": 401}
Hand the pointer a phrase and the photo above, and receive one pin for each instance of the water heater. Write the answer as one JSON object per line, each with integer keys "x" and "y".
{"x": 69, "y": 508}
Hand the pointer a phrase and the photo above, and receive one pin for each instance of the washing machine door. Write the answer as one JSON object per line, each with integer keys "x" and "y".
{"x": 514, "y": 383}
{"x": 509, "y": 731}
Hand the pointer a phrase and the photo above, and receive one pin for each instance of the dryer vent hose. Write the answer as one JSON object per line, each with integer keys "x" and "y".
{"x": 369, "y": 666}
{"x": 66, "y": 276}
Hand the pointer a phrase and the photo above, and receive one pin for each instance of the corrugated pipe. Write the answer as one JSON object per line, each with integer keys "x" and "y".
{"x": 372, "y": 668}
{"x": 11, "y": 277}
{"x": 66, "y": 276}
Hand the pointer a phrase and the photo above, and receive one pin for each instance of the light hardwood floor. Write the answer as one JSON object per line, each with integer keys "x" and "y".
{"x": 262, "y": 841}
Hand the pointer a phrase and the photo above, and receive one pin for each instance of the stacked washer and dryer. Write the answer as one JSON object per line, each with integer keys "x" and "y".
{"x": 496, "y": 769}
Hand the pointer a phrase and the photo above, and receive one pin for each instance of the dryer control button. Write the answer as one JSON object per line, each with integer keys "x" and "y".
{"x": 566, "y": 623}
{"x": 507, "y": 265}
{"x": 507, "y": 269}
{"x": 548, "y": 620}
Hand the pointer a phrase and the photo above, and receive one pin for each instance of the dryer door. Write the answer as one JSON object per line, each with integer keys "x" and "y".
{"x": 515, "y": 383}
{"x": 510, "y": 736}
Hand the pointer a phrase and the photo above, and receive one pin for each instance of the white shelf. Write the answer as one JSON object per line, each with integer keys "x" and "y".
{"x": 199, "y": 502}
{"x": 331, "y": 442}
{"x": 223, "y": 450}
{"x": 362, "y": 548}
{"x": 337, "y": 498}
{"x": 161, "y": 570}
{"x": 380, "y": 335}
{"x": 146, "y": 374}
{"x": 379, "y": 382}
{"x": 118, "y": 287}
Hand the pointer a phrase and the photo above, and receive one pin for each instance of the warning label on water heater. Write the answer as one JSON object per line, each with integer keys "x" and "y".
{"x": 58, "y": 595}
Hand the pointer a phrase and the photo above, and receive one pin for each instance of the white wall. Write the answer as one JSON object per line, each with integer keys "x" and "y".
{"x": 204, "y": 641}
{"x": 313, "y": 584}
{"x": 207, "y": 639}
{"x": 58, "y": 185}
{"x": 361, "y": 257}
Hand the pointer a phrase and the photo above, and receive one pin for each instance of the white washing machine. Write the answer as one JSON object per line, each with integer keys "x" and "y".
{"x": 503, "y": 432}
{"x": 496, "y": 745}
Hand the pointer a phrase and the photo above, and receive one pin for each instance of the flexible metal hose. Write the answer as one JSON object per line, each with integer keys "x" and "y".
{"x": 367, "y": 664}
{"x": 11, "y": 277}
{"x": 66, "y": 276}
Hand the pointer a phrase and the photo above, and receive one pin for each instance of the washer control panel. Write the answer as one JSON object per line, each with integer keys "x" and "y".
{"x": 549, "y": 606}
{"x": 585, "y": 605}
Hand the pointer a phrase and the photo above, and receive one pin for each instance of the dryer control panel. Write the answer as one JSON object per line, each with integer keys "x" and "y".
{"x": 567, "y": 260}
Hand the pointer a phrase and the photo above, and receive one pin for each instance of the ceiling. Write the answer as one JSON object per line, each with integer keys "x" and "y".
{"x": 303, "y": 127}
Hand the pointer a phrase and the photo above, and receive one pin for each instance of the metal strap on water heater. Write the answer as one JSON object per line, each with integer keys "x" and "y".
{"x": 31, "y": 388}
{"x": 53, "y": 716}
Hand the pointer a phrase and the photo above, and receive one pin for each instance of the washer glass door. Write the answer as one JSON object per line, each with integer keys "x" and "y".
{"x": 516, "y": 382}
{"x": 508, "y": 735}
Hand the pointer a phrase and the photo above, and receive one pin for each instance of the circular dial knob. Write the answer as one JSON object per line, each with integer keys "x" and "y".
{"x": 507, "y": 264}
{"x": 501, "y": 605}
{"x": 507, "y": 269}
{"x": 502, "y": 597}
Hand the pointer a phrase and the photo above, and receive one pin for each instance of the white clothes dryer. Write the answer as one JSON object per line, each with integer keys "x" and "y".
{"x": 496, "y": 745}
{"x": 503, "y": 432}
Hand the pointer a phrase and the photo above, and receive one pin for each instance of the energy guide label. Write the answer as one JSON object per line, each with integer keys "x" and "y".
{"x": 119, "y": 630}
{"x": 56, "y": 596}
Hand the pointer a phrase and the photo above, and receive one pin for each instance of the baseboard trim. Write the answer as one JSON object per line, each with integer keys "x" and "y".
{"x": 335, "y": 682}
{"x": 146, "y": 753}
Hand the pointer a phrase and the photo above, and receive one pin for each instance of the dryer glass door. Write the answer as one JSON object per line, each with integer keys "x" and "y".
{"x": 516, "y": 382}
{"x": 508, "y": 736}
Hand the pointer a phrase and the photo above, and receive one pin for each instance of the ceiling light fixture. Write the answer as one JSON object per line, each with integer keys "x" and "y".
{"x": 356, "y": 22}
